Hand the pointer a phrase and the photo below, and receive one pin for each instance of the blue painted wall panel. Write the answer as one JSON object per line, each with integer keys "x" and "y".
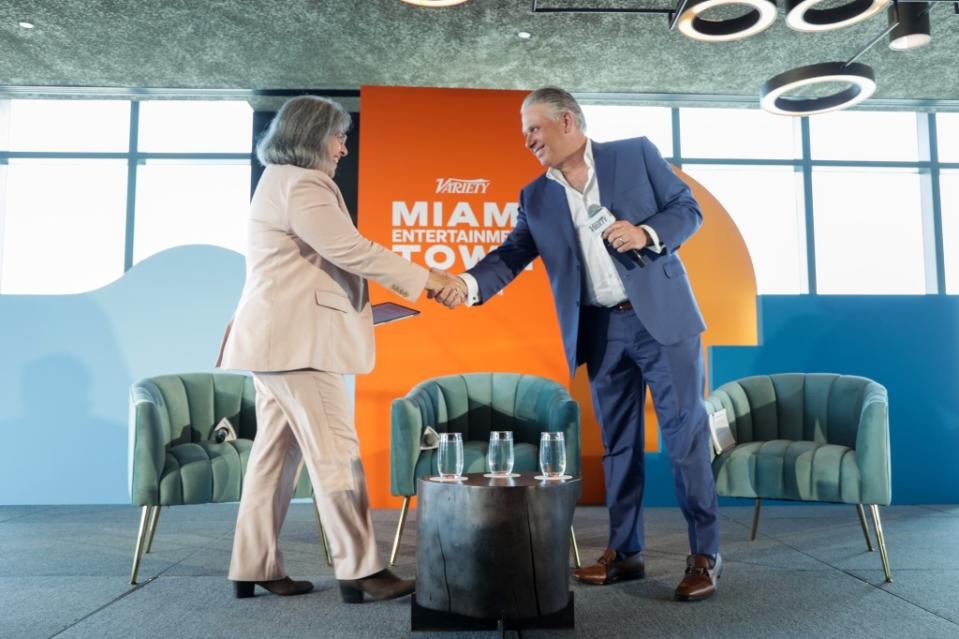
{"x": 910, "y": 344}
{"x": 68, "y": 362}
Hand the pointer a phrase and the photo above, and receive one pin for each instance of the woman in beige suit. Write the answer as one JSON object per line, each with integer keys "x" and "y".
{"x": 302, "y": 323}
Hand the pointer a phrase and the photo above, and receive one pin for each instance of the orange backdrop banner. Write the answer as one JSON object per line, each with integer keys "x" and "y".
{"x": 440, "y": 174}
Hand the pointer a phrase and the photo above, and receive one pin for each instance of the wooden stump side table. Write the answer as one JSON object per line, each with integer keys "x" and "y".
{"x": 493, "y": 553}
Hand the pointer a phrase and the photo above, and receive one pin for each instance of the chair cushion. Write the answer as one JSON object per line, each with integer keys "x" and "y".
{"x": 785, "y": 469}
{"x": 525, "y": 459}
{"x": 204, "y": 472}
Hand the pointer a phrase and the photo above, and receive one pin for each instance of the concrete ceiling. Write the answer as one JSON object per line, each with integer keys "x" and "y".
{"x": 342, "y": 44}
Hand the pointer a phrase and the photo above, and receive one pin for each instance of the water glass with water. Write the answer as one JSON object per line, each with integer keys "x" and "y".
{"x": 552, "y": 455}
{"x": 449, "y": 460}
{"x": 499, "y": 456}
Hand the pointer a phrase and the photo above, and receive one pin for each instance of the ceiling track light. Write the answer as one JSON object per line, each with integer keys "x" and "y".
{"x": 760, "y": 16}
{"x": 859, "y": 78}
{"x": 802, "y": 15}
{"x": 909, "y": 22}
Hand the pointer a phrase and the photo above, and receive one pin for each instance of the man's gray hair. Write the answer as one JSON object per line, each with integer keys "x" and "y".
{"x": 559, "y": 101}
{"x": 300, "y": 131}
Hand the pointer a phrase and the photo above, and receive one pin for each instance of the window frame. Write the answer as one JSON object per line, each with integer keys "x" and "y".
{"x": 928, "y": 164}
{"x": 133, "y": 157}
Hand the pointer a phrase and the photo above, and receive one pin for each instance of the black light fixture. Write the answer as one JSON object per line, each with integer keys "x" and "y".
{"x": 859, "y": 78}
{"x": 802, "y": 15}
{"x": 759, "y": 17}
{"x": 908, "y": 28}
{"x": 434, "y": 3}
{"x": 910, "y": 25}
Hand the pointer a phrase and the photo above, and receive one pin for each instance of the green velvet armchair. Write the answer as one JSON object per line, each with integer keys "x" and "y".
{"x": 173, "y": 460}
{"x": 475, "y": 404}
{"x": 807, "y": 437}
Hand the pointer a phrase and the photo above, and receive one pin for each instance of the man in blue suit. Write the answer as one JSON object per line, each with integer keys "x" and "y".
{"x": 626, "y": 310}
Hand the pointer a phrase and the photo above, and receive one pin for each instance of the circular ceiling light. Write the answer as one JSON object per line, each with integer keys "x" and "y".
{"x": 911, "y": 25}
{"x": 859, "y": 78}
{"x": 23, "y": 24}
{"x": 434, "y": 3}
{"x": 802, "y": 15}
{"x": 761, "y": 15}
{"x": 524, "y": 35}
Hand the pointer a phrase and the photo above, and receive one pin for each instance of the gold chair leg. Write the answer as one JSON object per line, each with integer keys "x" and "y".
{"x": 141, "y": 537}
{"x": 752, "y": 537}
{"x": 882, "y": 542}
{"x": 575, "y": 546}
{"x": 399, "y": 531}
{"x": 865, "y": 525}
{"x": 323, "y": 539}
{"x": 155, "y": 516}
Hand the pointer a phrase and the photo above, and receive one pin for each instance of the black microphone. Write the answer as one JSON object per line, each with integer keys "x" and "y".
{"x": 600, "y": 219}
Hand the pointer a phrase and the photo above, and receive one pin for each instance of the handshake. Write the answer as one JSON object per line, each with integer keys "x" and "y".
{"x": 446, "y": 288}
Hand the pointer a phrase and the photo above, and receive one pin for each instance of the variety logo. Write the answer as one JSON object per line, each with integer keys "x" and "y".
{"x": 454, "y": 185}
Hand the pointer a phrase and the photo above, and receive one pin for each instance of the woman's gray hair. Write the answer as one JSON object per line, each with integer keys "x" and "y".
{"x": 299, "y": 132}
{"x": 559, "y": 101}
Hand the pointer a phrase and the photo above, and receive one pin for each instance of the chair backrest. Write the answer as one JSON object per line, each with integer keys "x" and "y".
{"x": 192, "y": 404}
{"x": 818, "y": 407}
{"x": 476, "y": 403}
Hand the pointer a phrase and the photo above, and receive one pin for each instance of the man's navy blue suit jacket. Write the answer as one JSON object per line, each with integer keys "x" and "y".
{"x": 637, "y": 185}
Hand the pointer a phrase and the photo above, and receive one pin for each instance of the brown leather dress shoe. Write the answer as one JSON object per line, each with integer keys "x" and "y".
{"x": 378, "y": 586}
{"x": 283, "y": 587}
{"x": 608, "y": 569}
{"x": 701, "y": 580}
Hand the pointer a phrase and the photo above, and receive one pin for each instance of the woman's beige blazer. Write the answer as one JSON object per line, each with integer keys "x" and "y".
{"x": 305, "y": 303}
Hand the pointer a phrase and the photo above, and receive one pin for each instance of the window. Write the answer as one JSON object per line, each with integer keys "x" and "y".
{"x": 868, "y": 227}
{"x": 80, "y": 126}
{"x": 195, "y": 199}
{"x": 4, "y": 125}
{"x": 947, "y": 125}
{"x": 864, "y": 135}
{"x": 195, "y": 127}
{"x": 738, "y": 133}
{"x": 63, "y": 221}
{"x": 190, "y": 202}
{"x": 766, "y": 204}
{"x": 754, "y": 163}
{"x": 64, "y": 225}
{"x": 950, "y": 229}
{"x": 617, "y": 122}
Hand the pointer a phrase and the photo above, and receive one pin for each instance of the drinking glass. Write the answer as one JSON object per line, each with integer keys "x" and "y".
{"x": 499, "y": 457}
{"x": 552, "y": 455}
{"x": 449, "y": 459}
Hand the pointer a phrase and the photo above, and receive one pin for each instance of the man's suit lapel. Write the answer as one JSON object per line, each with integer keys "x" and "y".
{"x": 557, "y": 205}
{"x": 605, "y": 163}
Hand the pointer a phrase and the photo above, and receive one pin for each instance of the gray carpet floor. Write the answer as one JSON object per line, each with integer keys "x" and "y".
{"x": 64, "y": 572}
